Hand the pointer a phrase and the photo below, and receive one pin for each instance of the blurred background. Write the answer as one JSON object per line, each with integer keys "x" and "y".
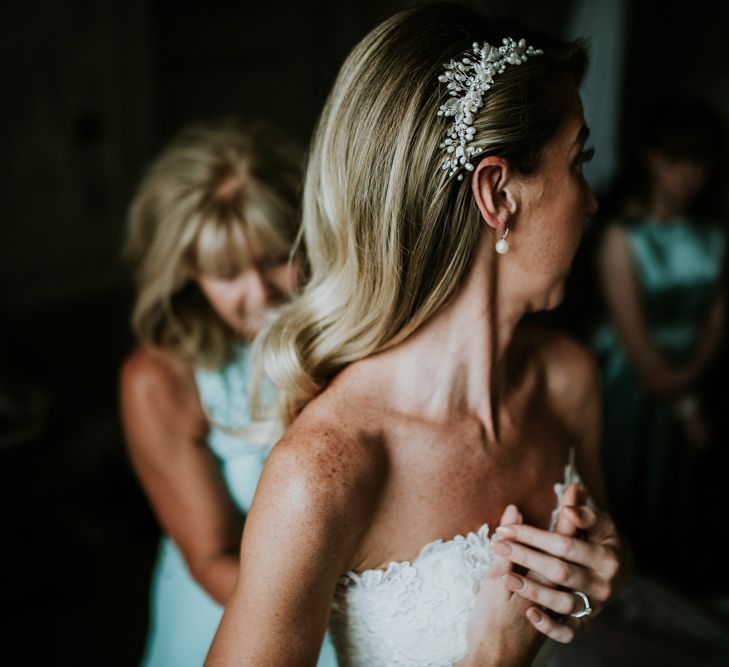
{"x": 92, "y": 91}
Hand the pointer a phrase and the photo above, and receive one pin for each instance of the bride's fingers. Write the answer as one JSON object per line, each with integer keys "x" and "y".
{"x": 556, "y": 570}
{"x": 575, "y": 494}
{"x": 598, "y": 527}
{"x": 571, "y": 495}
{"x": 563, "y": 602}
{"x": 559, "y": 632}
{"x": 511, "y": 515}
{"x": 500, "y": 566}
{"x": 582, "y": 517}
{"x": 599, "y": 558}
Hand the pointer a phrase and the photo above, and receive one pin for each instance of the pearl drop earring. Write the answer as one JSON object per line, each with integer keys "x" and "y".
{"x": 502, "y": 245}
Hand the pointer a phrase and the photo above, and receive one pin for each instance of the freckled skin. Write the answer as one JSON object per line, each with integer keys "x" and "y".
{"x": 447, "y": 479}
{"x": 546, "y": 233}
{"x": 406, "y": 446}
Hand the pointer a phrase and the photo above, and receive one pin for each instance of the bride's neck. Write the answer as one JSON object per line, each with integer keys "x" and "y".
{"x": 455, "y": 363}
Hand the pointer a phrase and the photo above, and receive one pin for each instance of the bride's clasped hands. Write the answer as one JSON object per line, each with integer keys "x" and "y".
{"x": 559, "y": 580}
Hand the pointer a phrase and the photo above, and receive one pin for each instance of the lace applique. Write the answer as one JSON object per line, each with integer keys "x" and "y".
{"x": 571, "y": 476}
{"x": 415, "y": 613}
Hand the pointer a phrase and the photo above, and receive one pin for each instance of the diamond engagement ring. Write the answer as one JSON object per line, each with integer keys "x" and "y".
{"x": 586, "y": 609}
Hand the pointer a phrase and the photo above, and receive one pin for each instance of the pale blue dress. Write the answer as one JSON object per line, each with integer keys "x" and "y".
{"x": 183, "y": 618}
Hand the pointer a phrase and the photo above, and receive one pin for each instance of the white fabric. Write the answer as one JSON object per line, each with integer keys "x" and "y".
{"x": 415, "y": 613}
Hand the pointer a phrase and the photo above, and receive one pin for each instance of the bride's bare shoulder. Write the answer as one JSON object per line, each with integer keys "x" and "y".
{"x": 331, "y": 444}
{"x": 570, "y": 378}
{"x": 569, "y": 366}
{"x": 327, "y": 467}
{"x": 572, "y": 387}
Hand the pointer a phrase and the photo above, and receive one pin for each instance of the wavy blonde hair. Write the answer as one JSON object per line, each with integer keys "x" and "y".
{"x": 211, "y": 190}
{"x": 389, "y": 237}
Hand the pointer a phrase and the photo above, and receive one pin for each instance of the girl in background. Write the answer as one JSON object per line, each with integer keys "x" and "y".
{"x": 210, "y": 236}
{"x": 659, "y": 261}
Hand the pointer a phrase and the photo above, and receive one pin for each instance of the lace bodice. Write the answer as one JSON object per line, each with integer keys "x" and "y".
{"x": 415, "y": 613}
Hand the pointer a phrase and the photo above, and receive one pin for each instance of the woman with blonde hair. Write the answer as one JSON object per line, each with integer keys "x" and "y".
{"x": 443, "y": 199}
{"x": 211, "y": 230}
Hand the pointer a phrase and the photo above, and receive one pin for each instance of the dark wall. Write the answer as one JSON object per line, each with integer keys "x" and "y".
{"x": 92, "y": 90}
{"x": 675, "y": 47}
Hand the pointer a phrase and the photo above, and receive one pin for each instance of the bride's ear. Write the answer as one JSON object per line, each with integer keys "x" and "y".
{"x": 493, "y": 188}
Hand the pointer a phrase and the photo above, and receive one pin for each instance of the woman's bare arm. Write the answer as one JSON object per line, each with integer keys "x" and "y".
{"x": 312, "y": 504}
{"x": 711, "y": 336}
{"x": 165, "y": 431}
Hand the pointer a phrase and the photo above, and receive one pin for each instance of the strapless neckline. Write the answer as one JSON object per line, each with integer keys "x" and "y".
{"x": 414, "y": 613}
{"x": 481, "y": 536}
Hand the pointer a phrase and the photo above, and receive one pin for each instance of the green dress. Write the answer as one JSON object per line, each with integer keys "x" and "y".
{"x": 647, "y": 460}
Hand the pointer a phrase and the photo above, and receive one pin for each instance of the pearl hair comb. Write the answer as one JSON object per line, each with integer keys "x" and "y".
{"x": 468, "y": 79}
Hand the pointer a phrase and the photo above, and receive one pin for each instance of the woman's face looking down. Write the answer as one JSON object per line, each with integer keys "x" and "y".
{"x": 242, "y": 298}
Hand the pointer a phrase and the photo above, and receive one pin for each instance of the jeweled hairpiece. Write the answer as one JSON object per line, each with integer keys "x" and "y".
{"x": 468, "y": 79}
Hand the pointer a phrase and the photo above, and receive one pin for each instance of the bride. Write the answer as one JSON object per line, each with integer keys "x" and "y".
{"x": 442, "y": 203}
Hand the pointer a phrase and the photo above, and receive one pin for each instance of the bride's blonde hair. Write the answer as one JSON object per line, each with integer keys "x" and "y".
{"x": 389, "y": 237}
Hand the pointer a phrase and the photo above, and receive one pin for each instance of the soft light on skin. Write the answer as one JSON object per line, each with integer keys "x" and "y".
{"x": 561, "y": 203}
{"x": 242, "y": 300}
{"x": 545, "y": 213}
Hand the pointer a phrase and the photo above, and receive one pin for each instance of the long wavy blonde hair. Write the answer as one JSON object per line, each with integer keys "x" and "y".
{"x": 211, "y": 190}
{"x": 389, "y": 237}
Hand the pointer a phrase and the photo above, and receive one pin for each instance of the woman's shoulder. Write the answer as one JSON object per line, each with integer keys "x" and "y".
{"x": 318, "y": 491}
{"x": 154, "y": 378}
{"x": 571, "y": 379}
{"x": 616, "y": 232}
{"x": 334, "y": 465}
{"x": 569, "y": 369}
{"x": 149, "y": 365}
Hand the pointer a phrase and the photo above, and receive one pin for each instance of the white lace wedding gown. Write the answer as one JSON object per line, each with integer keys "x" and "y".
{"x": 415, "y": 613}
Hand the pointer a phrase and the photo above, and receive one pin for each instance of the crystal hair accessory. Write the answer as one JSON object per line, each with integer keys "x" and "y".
{"x": 468, "y": 79}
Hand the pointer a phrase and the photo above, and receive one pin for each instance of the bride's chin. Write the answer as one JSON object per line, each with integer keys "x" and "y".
{"x": 555, "y": 296}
